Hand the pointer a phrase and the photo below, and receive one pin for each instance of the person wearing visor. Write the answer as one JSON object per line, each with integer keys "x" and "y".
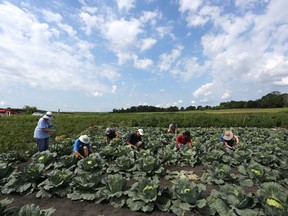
{"x": 43, "y": 130}
{"x": 82, "y": 147}
{"x": 135, "y": 140}
{"x": 229, "y": 139}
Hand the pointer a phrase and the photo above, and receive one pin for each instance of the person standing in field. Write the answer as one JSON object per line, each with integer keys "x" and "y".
{"x": 42, "y": 130}
{"x": 173, "y": 128}
{"x": 110, "y": 134}
{"x": 135, "y": 140}
{"x": 82, "y": 147}
{"x": 183, "y": 140}
{"x": 229, "y": 139}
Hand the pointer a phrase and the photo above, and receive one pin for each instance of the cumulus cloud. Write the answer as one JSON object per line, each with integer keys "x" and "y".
{"x": 167, "y": 60}
{"x": 125, "y": 5}
{"x": 147, "y": 43}
{"x": 34, "y": 53}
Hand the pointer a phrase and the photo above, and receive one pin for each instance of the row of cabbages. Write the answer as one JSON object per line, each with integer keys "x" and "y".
{"x": 142, "y": 180}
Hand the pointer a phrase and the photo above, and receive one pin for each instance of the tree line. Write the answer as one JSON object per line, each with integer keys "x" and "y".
{"x": 272, "y": 100}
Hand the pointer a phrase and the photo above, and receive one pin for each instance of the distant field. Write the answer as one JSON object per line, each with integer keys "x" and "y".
{"x": 272, "y": 110}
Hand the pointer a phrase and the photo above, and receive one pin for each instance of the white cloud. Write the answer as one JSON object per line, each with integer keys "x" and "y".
{"x": 147, "y": 43}
{"x": 189, "y": 5}
{"x": 97, "y": 94}
{"x": 203, "y": 90}
{"x": 51, "y": 17}
{"x": 166, "y": 60}
{"x": 225, "y": 95}
{"x": 125, "y": 5}
{"x": 282, "y": 82}
{"x": 122, "y": 33}
{"x": 91, "y": 22}
{"x": 31, "y": 55}
{"x": 142, "y": 63}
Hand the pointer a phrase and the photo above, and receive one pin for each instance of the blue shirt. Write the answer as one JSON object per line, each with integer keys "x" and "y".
{"x": 229, "y": 142}
{"x": 78, "y": 145}
{"x": 38, "y": 132}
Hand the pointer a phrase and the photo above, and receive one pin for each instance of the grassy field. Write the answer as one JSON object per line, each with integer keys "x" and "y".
{"x": 247, "y": 111}
{"x": 17, "y": 131}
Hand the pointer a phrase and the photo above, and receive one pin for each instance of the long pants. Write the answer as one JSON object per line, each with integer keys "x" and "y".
{"x": 42, "y": 144}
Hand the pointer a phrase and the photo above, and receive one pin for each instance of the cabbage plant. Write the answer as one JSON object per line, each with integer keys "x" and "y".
{"x": 25, "y": 181}
{"x": 4, "y": 204}
{"x": 122, "y": 164}
{"x": 84, "y": 186}
{"x": 5, "y": 170}
{"x": 273, "y": 198}
{"x": 66, "y": 161}
{"x": 114, "y": 190}
{"x": 213, "y": 155}
{"x": 56, "y": 184}
{"x": 46, "y": 157}
{"x": 92, "y": 163}
{"x": 149, "y": 166}
{"x": 186, "y": 195}
{"x": 187, "y": 157}
{"x": 33, "y": 209}
{"x": 218, "y": 173}
{"x": 145, "y": 194}
{"x": 254, "y": 173}
{"x": 167, "y": 156}
{"x": 232, "y": 200}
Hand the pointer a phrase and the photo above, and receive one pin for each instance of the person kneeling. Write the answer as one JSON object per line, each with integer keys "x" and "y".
{"x": 183, "y": 140}
{"x": 82, "y": 147}
{"x": 135, "y": 140}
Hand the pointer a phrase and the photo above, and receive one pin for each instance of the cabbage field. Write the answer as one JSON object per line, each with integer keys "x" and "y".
{"x": 208, "y": 179}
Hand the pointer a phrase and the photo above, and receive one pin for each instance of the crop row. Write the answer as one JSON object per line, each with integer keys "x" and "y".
{"x": 132, "y": 179}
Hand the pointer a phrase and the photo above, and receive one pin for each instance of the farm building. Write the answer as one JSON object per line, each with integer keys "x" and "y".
{"x": 5, "y": 112}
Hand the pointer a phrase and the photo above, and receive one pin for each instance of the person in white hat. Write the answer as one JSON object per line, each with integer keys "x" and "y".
{"x": 229, "y": 139}
{"x": 42, "y": 130}
{"x": 135, "y": 140}
{"x": 110, "y": 133}
{"x": 82, "y": 147}
{"x": 173, "y": 128}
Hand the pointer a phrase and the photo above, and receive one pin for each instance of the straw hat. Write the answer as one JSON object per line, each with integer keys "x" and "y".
{"x": 228, "y": 135}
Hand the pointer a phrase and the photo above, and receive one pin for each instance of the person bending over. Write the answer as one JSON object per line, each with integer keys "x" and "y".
{"x": 135, "y": 140}
{"x": 183, "y": 140}
{"x": 82, "y": 147}
{"x": 229, "y": 139}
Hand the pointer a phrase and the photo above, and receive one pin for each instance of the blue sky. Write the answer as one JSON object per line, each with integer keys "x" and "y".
{"x": 96, "y": 55}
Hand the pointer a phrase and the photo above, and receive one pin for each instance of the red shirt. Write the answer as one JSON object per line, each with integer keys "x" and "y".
{"x": 181, "y": 139}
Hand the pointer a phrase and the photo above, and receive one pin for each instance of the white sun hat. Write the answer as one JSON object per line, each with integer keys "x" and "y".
{"x": 48, "y": 115}
{"x": 84, "y": 139}
{"x": 141, "y": 132}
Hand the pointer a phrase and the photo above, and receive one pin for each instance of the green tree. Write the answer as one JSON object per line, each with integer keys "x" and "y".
{"x": 29, "y": 110}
